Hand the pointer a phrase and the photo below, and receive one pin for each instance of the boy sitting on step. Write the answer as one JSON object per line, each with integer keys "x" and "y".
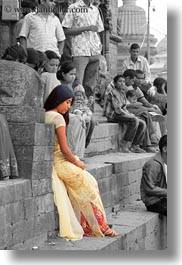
{"x": 115, "y": 111}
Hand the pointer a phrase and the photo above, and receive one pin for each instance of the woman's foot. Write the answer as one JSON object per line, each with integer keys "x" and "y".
{"x": 110, "y": 233}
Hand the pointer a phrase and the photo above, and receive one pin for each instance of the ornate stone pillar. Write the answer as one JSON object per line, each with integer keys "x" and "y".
{"x": 110, "y": 38}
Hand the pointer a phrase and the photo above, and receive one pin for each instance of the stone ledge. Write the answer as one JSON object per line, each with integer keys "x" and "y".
{"x": 120, "y": 161}
{"x": 14, "y": 190}
{"x": 118, "y": 176}
{"x": 104, "y": 139}
{"x": 137, "y": 230}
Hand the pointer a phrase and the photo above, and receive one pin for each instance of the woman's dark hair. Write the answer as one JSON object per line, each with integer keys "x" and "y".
{"x": 15, "y": 53}
{"x": 51, "y": 55}
{"x": 42, "y": 58}
{"x": 33, "y": 57}
{"x": 163, "y": 142}
{"x": 116, "y": 78}
{"x": 65, "y": 68}
{"x": 58, "y": 95}
{"x": 158, "y": 82}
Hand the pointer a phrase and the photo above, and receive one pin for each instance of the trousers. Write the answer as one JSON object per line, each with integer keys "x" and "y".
{"x": 159, "y": 207}
{"x": 136, "y": 128}
{"x": 87, "y": 68}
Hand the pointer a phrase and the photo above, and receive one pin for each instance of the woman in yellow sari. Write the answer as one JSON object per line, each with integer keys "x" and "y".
{"x": 76, "y": 192}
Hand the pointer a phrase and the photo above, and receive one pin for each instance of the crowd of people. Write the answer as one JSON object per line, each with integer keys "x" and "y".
{"x": 65, "y": 50}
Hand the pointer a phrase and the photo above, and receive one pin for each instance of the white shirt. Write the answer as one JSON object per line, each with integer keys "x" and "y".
{"x": 87, "y": 43}
{"x": 43, "y": 32}
{"x": 140, "y": 64}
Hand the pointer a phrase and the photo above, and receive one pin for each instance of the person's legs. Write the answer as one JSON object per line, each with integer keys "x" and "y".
{"x": 139, "y": 136}
{"x": 140, "y": 133}
{"x": 146, "y": 144}
{"x": 159, "y": 207}
{"x": 76, "y": 136}
{"x": 89, "y": 131}
{"x": 90, "y": 75}
{"x": 131, "y": 129}
{"x": 80, "y": 63}
{"x": 132, "y": 126}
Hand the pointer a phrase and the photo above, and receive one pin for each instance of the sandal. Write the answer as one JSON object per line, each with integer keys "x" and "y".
{"x": 110, "y": 233}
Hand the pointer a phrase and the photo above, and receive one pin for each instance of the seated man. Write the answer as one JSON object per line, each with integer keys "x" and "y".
{"x": 140, "y": 78}
{"x": 136, "y": 62}
{"x": 130, "y": 79}
{"x": 134, "y": 80}
{"x": 153, "y": 186}
{"x": 115, "y": 111}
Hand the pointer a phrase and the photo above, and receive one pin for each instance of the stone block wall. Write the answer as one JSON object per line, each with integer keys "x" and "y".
{"x": 119, "y": 180}
{"x": 104, "y": 139}
{"x": 26, "y": 217}
{"x": 33, "y": 145}
{"x": 27, "y": 211}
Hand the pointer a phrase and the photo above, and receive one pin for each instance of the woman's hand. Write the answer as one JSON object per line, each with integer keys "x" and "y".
{"x": 80, "y": 164}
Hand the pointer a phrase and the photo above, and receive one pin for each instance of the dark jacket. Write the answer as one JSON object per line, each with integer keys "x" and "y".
{"x": 153, "y": 183}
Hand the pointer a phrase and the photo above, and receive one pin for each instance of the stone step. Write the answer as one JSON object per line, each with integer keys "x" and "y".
{"x": 27, "y": 211}
{"x": 118, "y": 176}
{"x": 137, "y": 230}
{"x": 104, "y": 139}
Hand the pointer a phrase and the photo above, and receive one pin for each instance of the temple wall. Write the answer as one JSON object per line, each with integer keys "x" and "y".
{"x": 114, "y": 9}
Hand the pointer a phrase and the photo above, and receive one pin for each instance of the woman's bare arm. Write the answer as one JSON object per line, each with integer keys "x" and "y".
{"x": 61, "y": 134}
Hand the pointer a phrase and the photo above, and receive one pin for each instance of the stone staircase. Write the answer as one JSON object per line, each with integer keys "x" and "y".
{"x": 118, "y": 176}
{"x": 29, "y": 219}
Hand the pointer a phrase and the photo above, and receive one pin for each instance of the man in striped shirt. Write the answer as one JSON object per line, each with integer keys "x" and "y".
{"x": 42, "y": 30}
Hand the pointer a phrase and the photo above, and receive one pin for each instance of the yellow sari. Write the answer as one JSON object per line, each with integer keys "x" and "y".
{"x": 76, "y": 195}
